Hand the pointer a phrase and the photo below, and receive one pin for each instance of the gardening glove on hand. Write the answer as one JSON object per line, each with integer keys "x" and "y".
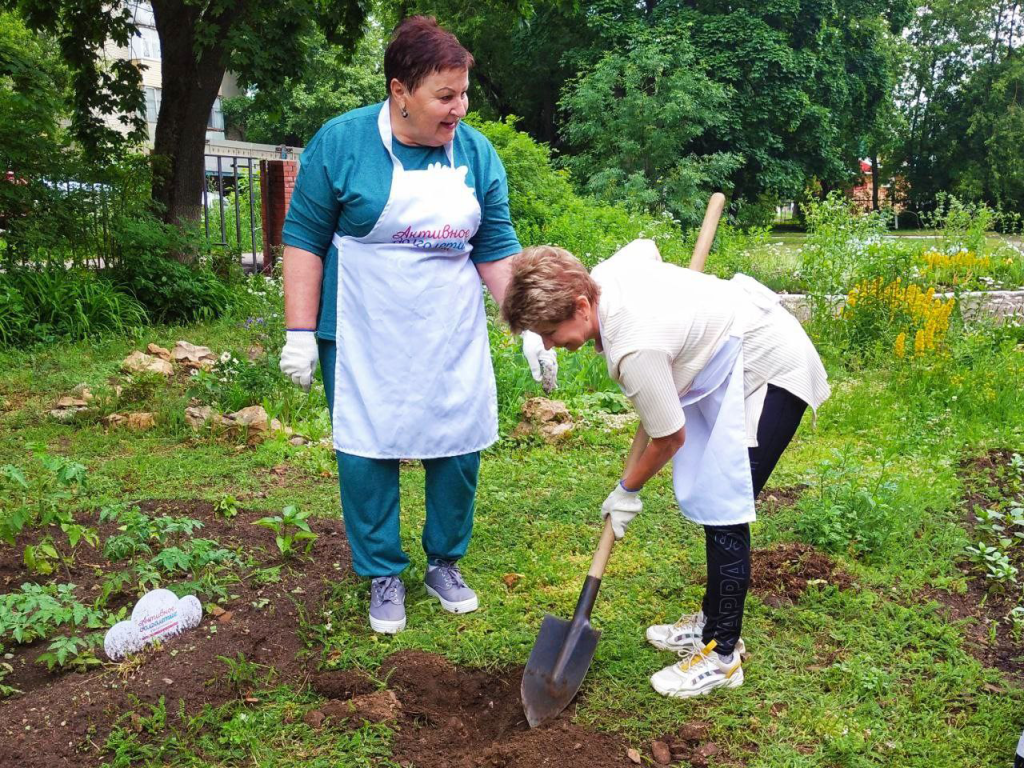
{"x": 543, "y": 362}
{"x": 299, "y": 357}
{"x": 623, "y": 506}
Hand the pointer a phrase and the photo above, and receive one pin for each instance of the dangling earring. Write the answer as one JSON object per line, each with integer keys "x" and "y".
{"x": 405, "y": 112}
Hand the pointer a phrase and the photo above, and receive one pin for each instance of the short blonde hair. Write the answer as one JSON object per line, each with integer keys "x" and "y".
{"x": 546, "y": 282}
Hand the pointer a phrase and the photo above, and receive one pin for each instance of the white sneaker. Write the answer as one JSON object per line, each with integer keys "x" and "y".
{"x": 684, "y": 636}
{"x": 698, "y": 673}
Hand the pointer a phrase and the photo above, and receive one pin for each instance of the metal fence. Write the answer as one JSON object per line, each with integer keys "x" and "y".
{"x": 232, "y": 206}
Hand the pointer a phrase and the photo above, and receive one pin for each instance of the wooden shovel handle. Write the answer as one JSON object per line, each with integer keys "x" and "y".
{"x": 707, "y": 231}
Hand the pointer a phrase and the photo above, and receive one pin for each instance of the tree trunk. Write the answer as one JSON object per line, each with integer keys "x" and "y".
{"x": 190, "y": 87}
{"x": 874, "y": 181}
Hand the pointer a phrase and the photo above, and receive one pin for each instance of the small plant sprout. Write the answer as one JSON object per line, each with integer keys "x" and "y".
{"x": 290, "y": 528}
{"x": 226, "y": 506}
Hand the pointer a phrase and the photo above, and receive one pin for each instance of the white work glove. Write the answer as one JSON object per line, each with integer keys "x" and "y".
{"x": 299, "y": 357}
{"x": 623, "y": 506}
{"x": 543, "y": 362}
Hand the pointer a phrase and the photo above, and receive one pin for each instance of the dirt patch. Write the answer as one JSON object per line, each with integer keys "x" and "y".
{"x": 771, "y": 500}
{"x": 781, "y": 574}
{"x": 450, "y": 717}
{"x": 63, "y": 719}
{"x": 988, "y": 483}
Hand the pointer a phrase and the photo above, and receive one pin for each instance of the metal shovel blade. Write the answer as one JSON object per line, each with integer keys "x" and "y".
{"x": 558, "y": 663}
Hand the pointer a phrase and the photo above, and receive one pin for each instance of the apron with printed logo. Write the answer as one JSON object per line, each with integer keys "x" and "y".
{"x": 413, "y": 377}
{"x": 711, "y": 472}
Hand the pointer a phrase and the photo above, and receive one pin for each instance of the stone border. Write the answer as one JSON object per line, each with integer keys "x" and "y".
{"x": 1000, "y": 305}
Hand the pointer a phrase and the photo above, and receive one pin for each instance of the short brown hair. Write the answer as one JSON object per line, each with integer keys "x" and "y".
{"x": 420, "y": 47}
{"x": 543, "y": 288}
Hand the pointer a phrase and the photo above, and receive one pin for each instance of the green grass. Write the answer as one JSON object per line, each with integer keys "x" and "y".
{"x": 870, "y": 676}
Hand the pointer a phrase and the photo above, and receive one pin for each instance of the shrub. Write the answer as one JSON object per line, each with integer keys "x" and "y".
{"x": 57, "y": 303}
{"x": 849, "y": 512}
{"x": 172, "y": 291}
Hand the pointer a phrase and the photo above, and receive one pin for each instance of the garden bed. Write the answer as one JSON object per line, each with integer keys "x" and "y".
{"x": 993, "y": 484}
{"x": 62, "y": 718}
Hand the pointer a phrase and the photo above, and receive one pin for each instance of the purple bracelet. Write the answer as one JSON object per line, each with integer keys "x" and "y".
{"x": 629, "y": 490}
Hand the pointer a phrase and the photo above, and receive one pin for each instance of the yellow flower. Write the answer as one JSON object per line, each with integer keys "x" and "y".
{"x": 900, "y": 347}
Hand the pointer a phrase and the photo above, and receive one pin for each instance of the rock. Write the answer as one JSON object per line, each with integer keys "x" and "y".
{"x": 185, "y": 352}
{"x": 695, "y": 731}
{"x": 140, "y": 362}
{"x": 540, "y": 410}
{"x": 82, "y": 391}
{"x": 157, "y": 351}
{"x": 252, "y": 422}
{"x": 662, "y": 754}
{"x": 314, "y": 718}
{"x": 633, "y": 755}
{"x": 253, "y": 417}
{"x": 298, "y": 440}
{"x": 73, "y": 402}
{"x": 549, "y": 419}
{"x": 376, "y": 707}
{"x": 131, "y": 420}
{"x": 197, "y": 416}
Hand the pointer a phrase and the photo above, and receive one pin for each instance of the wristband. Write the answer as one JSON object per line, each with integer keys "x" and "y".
{"x": 301, "y": 330}
{"x": 622, "y": 485}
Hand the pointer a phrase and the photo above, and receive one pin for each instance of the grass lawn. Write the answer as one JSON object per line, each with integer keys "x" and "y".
{"x": 864, "y": 668}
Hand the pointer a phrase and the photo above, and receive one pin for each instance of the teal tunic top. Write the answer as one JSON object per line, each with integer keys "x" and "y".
{"x": 344, "y": 182}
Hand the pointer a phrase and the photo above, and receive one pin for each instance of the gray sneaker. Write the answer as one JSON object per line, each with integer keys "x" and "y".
{"x": 387, "y": 605}
{"x": 444, "y": 581}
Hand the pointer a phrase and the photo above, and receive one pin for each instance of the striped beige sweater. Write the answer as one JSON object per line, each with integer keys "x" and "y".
{"x": 661, "y": 324}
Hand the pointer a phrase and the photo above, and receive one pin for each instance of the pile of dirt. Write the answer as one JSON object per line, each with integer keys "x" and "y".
{"x": 450, "y": 717}
{"x": 63, "y": 719}
{"x": 781, "y": 574}
{"x": 771, "y": 500}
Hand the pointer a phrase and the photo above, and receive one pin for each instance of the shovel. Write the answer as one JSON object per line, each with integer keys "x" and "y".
{"x": 564, "y": 649}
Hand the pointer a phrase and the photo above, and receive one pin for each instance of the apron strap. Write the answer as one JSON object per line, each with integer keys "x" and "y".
{"x": 387, "y": 137}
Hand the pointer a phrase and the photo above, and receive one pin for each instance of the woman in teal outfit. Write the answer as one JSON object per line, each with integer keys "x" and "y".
{"x": 399, "y": 211}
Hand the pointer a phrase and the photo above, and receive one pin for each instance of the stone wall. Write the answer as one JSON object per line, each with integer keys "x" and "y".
{"x": 1001, "y": 305}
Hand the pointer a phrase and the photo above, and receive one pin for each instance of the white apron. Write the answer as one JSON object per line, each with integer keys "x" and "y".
{"x": 413, "y": 377}
{"x": 711, "y": 472}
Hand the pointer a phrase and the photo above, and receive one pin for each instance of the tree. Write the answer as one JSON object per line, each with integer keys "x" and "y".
{"x": 263, "y": 41}
{"x": 633, "y": 117}
{"x": 293, "y": 110}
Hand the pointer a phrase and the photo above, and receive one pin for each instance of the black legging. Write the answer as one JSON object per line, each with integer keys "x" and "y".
{"x": 728, "y": 546}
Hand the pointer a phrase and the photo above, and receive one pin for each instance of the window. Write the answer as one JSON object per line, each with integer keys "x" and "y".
{"x": 152, "y": 103}
{"x": 146, "y": 44}
{"x": 216, "y": 122}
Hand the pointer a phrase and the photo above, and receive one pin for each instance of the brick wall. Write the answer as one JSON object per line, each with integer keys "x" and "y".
{"x": 276, "y": 189}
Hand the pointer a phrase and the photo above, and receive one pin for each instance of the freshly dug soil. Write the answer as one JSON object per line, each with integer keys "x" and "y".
{"x": 985, "y": 486}
{"x": 780, "y": 574}
{"x": 449, "y": 717}
{"x": 63, "y": 719}
{"x": 771, "y": 500}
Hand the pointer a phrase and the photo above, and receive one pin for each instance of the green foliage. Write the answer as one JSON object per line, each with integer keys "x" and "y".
{"x": 73, "y": 653}
{"x": 58, "y": 304}
{"x": 998, "y": 542}
{"x": 337, "y": 81}
{"x": 290, "y": 527}
{"x": 226, "y": 506}
{"x": 545, "y": 209}
{"x": 172, "y": 291}
{"x": 6, "y": 690}
{"x": 36, "y": 611}
{"x": 850, "y": 511}
{"x": 39, "y": 500}
{"x": 234, "y": 383}
{"x": 631, "y": 115}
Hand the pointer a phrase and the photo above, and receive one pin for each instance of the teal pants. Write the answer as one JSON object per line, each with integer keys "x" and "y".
{"x": 370, "y": 501}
